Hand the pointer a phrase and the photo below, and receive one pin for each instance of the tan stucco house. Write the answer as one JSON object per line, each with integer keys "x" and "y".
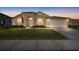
{"x": 29, "y": 19}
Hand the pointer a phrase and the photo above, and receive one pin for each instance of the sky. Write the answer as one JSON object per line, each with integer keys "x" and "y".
{"x": 72, "y": 12}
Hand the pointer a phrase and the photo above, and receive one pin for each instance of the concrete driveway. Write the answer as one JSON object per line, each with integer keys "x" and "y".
{"x": 44, "y": 45}
{"x": 73, "y": 34}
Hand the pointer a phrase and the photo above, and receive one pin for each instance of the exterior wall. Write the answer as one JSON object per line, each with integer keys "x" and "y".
{"x": 40, "y": 16}
{"x": 13, "y": 22}
{"x": 18, "y": 20}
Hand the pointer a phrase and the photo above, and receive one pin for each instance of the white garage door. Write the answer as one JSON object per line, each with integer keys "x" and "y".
{"x": 58, "y": 22}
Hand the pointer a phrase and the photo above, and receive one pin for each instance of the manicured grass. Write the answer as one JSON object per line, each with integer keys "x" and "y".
{"x": 26, "y": 34}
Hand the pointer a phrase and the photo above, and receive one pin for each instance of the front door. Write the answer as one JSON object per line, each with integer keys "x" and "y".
{"x": 30, "y": 22}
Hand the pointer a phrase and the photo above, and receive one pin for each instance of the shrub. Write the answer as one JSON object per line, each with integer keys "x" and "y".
{"x": 73, "y": 26}
{"x": 17, "y": 26}
{"x": 38, "y": 26}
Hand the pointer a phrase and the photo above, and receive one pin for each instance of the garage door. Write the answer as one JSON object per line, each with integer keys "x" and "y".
{"x": 58, "y": 22}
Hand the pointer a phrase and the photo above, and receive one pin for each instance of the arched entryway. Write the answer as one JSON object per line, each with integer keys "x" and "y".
{"x": 30, "y": 22}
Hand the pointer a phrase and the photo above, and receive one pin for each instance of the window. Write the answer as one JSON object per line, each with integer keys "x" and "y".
{"x": 40, "y": 21}
{"x": 19, "y": 21}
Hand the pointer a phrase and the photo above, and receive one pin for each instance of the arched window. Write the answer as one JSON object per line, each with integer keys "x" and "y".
{"x": 40, "y": 21}
{"x": 19, "y": 21}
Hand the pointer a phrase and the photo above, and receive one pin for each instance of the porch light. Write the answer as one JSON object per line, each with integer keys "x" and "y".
{"x": 30, "y": 18}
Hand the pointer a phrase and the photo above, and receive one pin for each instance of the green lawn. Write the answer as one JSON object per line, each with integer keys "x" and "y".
{"x": 26, "y": 34}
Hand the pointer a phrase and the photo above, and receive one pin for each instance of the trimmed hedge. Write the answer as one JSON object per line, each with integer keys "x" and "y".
{"x": 73, "y": 26}
{"x": 17, "y": 26}
{"x": 38, "y": 26}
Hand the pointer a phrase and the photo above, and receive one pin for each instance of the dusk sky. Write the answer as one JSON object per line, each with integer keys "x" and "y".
{"x": 72, "y": 12}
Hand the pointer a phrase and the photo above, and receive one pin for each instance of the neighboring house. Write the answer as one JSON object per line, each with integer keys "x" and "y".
{"x": 29, "y": 19}
{"x": 5, "y": 21}
{"x": 74, "y": 23}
